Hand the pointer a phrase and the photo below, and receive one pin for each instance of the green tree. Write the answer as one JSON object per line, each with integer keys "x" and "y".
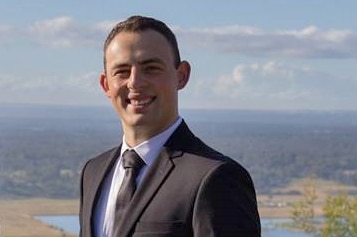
{"x": 303, "y": 214}
{"x": 339, "y": 215}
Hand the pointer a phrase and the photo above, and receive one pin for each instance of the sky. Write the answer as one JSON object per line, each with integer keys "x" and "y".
{"x": 255, "y": 55}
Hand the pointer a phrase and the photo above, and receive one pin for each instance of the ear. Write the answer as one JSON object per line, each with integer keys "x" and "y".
{"x": 104, "y": 83}
{"x": 184, "y": 70}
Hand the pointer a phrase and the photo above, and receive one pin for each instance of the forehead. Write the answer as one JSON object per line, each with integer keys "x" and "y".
{"x": 136, "y": 45}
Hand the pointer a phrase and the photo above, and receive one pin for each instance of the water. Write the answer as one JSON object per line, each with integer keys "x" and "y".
{"x": 270, "y": 228}
{"x": 269, "y": 225}
{"x": 67, "y": 223}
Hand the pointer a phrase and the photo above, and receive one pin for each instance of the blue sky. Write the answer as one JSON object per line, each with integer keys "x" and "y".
{"x": 280, "y": 55}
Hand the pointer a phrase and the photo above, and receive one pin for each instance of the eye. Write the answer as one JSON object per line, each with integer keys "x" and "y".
{"x": 122, "y": 73}
{"x": 152, "y": 68}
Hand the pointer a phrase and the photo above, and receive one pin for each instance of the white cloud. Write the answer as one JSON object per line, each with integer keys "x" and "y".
{"x": 230, "y": 30}
{"x": 104, "y": 26}
{"x": 87, "y": 81}
{"x": 74, "y": 89}
{"x": 275, "y": 85}
{"x": 7, "y": 33}
{"x": 269, "y": 85}
{"x": 65, "y": 32}
{"x": 5, "y": 29}
{"x": 309, "y": 42}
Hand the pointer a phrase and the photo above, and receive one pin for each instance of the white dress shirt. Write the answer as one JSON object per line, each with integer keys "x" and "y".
{"x": 105, "y": 208}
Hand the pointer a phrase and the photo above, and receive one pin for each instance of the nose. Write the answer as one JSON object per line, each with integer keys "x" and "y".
{"x": 136, "y": 79}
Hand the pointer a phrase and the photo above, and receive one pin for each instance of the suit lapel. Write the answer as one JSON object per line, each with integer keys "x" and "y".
{"x": 156, "y": 175}
{"x": 179, "y": 141}
{"x": 101, "y": 169}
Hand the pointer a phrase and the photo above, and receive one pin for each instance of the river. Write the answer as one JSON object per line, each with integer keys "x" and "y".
{"x": 269, "y": 226}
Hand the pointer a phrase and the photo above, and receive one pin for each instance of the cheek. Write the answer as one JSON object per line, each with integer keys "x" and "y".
{"x": 115, "y": 87}
{"x": 168, "y": 85}
{"x": 170, "y": 95}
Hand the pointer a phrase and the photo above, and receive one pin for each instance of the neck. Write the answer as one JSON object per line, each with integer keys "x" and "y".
{"x": 135, "y": 135}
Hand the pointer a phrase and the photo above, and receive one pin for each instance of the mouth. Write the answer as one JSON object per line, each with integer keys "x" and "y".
{"x": 140, "y": 103}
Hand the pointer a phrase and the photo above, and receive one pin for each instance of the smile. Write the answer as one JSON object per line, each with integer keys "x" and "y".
{"x": 141, "y": 103}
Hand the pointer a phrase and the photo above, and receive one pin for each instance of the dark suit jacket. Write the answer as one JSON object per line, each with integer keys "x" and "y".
{"x": 190, "y": 190}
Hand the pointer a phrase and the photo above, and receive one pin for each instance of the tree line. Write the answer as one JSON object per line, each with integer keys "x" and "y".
{"x": 43, "y": 158}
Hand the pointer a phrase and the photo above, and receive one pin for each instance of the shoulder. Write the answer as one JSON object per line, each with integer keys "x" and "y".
{"x": 183, "y": 139}
{"x": 102, "y": 159}
{"x": 196, "y": 155}
{"x": 227, "y": 194}
{"x": 215, "y": 165}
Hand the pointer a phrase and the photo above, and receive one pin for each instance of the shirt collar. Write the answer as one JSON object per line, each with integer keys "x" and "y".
{"x": 150, "y": 149}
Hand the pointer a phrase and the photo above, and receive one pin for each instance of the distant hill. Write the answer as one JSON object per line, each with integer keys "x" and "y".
{"x": 43, "y": 148}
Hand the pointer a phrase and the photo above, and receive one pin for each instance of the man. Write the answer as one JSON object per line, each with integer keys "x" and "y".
{"x": 182, "y": 187}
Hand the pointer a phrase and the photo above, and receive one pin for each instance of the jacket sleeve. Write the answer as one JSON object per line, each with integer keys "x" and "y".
{"x": 81, "y": 218}
{"x": 226, "y": 204}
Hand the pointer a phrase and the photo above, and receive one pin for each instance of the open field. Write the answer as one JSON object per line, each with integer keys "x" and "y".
{"x": 275, "y": 206}
{"x": 17, "y": 216}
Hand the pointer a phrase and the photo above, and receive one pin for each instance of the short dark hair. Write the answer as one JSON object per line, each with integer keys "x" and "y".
{"x": 142, "y": 23}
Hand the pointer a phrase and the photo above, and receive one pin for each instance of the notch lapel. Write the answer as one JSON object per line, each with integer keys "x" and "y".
{"x": 156, "y": 175}
{"x": 101, "y": 168}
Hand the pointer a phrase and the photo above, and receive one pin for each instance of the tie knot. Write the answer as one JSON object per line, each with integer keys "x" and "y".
{"x": 132, "y": 160}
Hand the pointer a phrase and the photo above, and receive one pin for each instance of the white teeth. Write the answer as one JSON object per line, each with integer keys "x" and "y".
{"x": 140, "y": 102}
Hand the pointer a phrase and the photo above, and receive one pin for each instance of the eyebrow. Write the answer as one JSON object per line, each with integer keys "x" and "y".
{"x": 141, "y": 62}
{"x": 151, "y": 60}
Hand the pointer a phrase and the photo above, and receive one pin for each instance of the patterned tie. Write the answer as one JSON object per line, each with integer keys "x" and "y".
{"x": 132, "y": 164}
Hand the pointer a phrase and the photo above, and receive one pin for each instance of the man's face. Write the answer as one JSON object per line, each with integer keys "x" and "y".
{"x": 141, "y": 80}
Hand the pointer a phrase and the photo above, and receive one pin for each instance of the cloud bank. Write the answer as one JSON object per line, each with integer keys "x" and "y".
{"x": 308, "y": 42}
{"x": 271, "y": 82}
{"x": 274, "y": 85}
{"x": 79, "y": 89}
{"x": 65, "y": 32}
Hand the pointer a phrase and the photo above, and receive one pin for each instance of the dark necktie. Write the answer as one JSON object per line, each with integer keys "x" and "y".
{"x": 132, "y": 164}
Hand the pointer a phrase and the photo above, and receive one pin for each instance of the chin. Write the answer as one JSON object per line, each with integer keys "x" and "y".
{"x": 138, "y": 120}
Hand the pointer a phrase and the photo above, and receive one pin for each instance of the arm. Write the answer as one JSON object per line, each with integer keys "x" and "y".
{"x": 226, "y": 204}
{"x": 81, "y": 204}
{"x": 81, "y": 217}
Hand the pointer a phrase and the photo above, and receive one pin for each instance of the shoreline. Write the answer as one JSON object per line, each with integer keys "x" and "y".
{"x": 18, "y": 217}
